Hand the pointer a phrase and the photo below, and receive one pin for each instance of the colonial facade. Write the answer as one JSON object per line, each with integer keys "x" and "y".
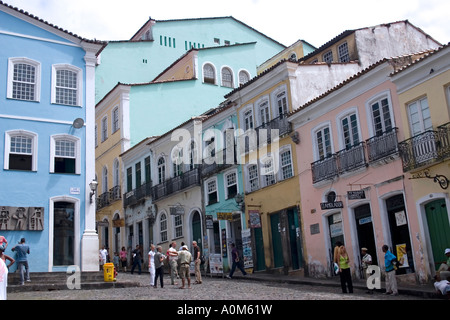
{"x": 424, "y": 100}
{"x": 47, "y": 121}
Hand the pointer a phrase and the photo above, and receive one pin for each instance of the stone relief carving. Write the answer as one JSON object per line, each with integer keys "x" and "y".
{"x": 21, "y": 218}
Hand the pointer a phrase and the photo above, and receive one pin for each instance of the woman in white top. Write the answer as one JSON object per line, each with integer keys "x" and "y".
{"x": 151, "y": 264}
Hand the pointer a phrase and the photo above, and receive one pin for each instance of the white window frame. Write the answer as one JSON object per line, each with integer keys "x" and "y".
{"x": 243, "y": 117}
{"x": 243, "y": 72}
{"x": 115, "y": 119}
{"x": 163, "y": 233}
{"x": 34, "y": 146}
{"x": 370, "y": 120}
{"x": 177, "y": 222}
{"x": 421, "y": 119}
{"x": 208, "y": 192}
{"x": 225, "y": 181}
{"x": 37, "y": 74}
{"x": 263, "y": 102}
{"x": 161, "y": 176}
{"x": 222, "y": 82}
{"x": 266, "y": 174}
{"x": 275, "y": 109}
{"x": 215, "y": 72}
{"x": 249, "y": 179}
{"x": 104, "y": 128}
{"x": 79, "y": 72}
{"x": 105, "y": 179}
{"x": 53, "y": 140}
{"x": 314, "y": 131}
{"x": 116, "y": 173}
{"x": 347, "y": 113}
{"x": 283, "y": 150}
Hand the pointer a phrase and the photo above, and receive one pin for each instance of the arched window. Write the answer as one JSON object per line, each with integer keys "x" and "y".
{"x": 227, "y": 78}
{"x": 161, "y": 170}
{"x": 209, "y": 74}
{"x": 105, "y": 179}
{"x": 243, "y": 77}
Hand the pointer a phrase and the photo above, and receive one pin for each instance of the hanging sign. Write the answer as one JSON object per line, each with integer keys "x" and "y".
{"x": 355, "y": 195}
{"x": 331, "y": 205}
{"x": 209, "y": 222}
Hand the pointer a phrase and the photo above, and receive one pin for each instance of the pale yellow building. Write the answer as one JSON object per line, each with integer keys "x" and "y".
{"x": 424, "y": 95}
{"x": 110, "y": 142}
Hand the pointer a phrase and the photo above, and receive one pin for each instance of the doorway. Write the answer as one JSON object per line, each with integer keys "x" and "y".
{"x": 364, "y": 228}
{"x": 63, "y": 233}
{"x": 438, "y": 229}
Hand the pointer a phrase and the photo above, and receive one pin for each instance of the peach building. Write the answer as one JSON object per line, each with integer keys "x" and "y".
{"x": 352, "y": 185}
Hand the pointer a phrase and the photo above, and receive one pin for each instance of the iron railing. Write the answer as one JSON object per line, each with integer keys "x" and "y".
{"x": 108, "y": 197}
{"x": 426, "y": 148}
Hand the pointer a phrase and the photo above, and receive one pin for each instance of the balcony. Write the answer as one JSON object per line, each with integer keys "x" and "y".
{"x": 106, "y": 198}
{"x": 223, "y": 159}
{"x": 350, "y": 159}
{"x": 136, "y": 195}
{"x": 281, "y": 124}
{"x": 175, "y": 184}
{"x": 427, "y": 148}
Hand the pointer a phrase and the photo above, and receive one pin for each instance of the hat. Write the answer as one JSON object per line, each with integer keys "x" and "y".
{"x": 184, "y": 247}
{"x": 447, "y": 250}
{"x": 363, "y": 249}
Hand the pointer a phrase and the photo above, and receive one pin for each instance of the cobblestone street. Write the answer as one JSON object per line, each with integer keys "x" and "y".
{"x": 211, "y": 289}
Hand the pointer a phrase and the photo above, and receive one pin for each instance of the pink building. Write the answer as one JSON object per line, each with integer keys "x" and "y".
{"x": 352, "y": 184}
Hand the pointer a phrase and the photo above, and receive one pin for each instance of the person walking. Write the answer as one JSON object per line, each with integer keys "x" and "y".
{"x": 123, "y": 259}
{"x": 236, "y": 262}
{"x": 22, "y": 250}
{"x": 151, "y": 264}
{"x": 159, "y": 264}
{"x": 173, "y": 262}
{"x": 197, "y": 262}
{"x": 389, "y": 264}
{"x": 103, "y": 256}
{"x": 344, "y": 270}
{"x": 185, "y": 258}
{"x": 137, "y": 259}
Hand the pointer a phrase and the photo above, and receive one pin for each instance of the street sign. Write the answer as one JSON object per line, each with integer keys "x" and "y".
{"x": 355, "y": 195}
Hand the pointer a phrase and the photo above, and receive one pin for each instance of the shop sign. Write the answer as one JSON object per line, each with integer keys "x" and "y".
{"x": 331, "y": 205}
{"x": 209, "y": 222}
{"x": 177, "y": 210}
{"x": 225, "y": 216}
{"x": 355, "y": 195}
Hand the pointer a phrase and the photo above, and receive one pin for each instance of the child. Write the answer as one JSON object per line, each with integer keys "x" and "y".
{"x": 116, "y": 260}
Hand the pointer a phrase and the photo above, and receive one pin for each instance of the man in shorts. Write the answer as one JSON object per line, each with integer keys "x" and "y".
{"x": 185, "y": 258}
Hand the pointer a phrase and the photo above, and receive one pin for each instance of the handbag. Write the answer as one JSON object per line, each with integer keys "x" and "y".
{"x": 335, "y": 268}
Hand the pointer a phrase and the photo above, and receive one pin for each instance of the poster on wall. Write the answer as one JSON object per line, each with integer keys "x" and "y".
{"x": 247, "y": 250}
{"x": 402, "y": 256}
{"x": 215, "y": 263}
{"x": 255, "y": 218}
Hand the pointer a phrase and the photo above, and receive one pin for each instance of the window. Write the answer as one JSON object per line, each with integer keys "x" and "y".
{"x": 66, "y": 85}
{"x": 115, "y": 119}
{"x": 381, "y": 116}
{"x": 248, "y": 120}
{"x": 178, "y": 224}
{"x": 147, "y": 170}
{"x": 282, "y": 103}
{"x": 227, "y": 78}
{"x": 129, "y": 179}
{"x": 328, "y": 57}
{"x": 20, "y": 150}
{"x": 323, "y": 143}
{"x": 350, "y": 130}
{"x": 343, "y": 52}
{"x": 65, "y": 154}
{"x": 177, "y": 161}
{"x": 23, "y": 79}
{"x": 264, "y": 112}
{"x": 211, "y": 188}
{"x": 253, "y": 178}
{"x": 104, "y": 128}
{"x": 161, "y": 170}
{"x": 231, "y": 184}
{"x": 96, "y": 136}
{"x": 209, "y": 74}
{"x": 286, "y": 164}
{"x": 268, "y": 172}
{"x": 419, "y": 116}
{"x": 163, "y": 227}
{"x": 137, "y": 168}
{"x": 244, "y": 77}
{"x": 116, "y": 173}
{"x": 105, "y": 179}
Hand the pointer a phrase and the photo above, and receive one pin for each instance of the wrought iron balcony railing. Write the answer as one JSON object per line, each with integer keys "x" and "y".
{"x": 108, "y": 197}
{"x": 172, "y": 185}
{"x": 429, "y": 147}
{"x": 383, "y": 145}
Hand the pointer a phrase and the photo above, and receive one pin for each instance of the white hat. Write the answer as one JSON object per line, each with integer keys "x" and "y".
{"x": 184, "y": 247}
{"x": 447, "y": 250}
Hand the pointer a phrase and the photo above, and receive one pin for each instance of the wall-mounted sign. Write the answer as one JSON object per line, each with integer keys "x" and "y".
{"x": 177, "y": 210}
{"x": 225, "y": 216}
{"x": 255, "y": 218}
{"x": 209, "y": 221}
{"x": 355, "y": 195}
{"x": 331, "y": 205}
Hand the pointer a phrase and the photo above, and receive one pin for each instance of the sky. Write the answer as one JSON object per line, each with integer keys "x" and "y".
{"x": 285, "y": 21}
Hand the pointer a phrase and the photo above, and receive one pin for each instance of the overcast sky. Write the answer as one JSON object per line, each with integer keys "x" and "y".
{"x": 315, "y": 21}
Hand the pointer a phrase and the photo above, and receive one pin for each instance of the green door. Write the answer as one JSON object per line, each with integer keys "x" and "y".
{"x": 438, "y": 228}
{"x": 197, "y": 230}
{"x": 259, "y": 248}
{"x": 294, "y": 239}
{"x": 276, "y": 240}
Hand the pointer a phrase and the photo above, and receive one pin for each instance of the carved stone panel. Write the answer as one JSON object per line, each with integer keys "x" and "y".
{"x": 21, "y": 218}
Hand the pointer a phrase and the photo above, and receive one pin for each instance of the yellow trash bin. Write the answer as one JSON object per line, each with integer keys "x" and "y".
{"x": 108, "y": 272}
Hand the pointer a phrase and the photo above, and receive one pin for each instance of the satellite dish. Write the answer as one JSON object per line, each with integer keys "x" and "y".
{"x": 78, "y": 123}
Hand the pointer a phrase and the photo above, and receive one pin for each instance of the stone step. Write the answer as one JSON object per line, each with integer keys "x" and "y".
{"x": 48, "y": 281}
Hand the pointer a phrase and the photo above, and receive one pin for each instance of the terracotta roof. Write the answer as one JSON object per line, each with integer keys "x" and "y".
{"x": 51, "y": 25}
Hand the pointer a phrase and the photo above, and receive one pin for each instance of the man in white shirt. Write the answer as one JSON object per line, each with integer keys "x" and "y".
{"x": 103, "y": 254}
{"x": 151, "y": 264}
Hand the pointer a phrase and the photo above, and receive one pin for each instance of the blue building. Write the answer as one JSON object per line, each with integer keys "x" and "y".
{"x": 47, "y": 115}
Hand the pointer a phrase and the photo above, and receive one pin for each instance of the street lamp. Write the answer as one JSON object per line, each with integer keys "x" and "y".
{"x": 93, "y": 185}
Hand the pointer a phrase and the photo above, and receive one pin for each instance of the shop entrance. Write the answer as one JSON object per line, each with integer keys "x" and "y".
{"x": 364, "y": 227}
{"x": 438, "y": 229}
